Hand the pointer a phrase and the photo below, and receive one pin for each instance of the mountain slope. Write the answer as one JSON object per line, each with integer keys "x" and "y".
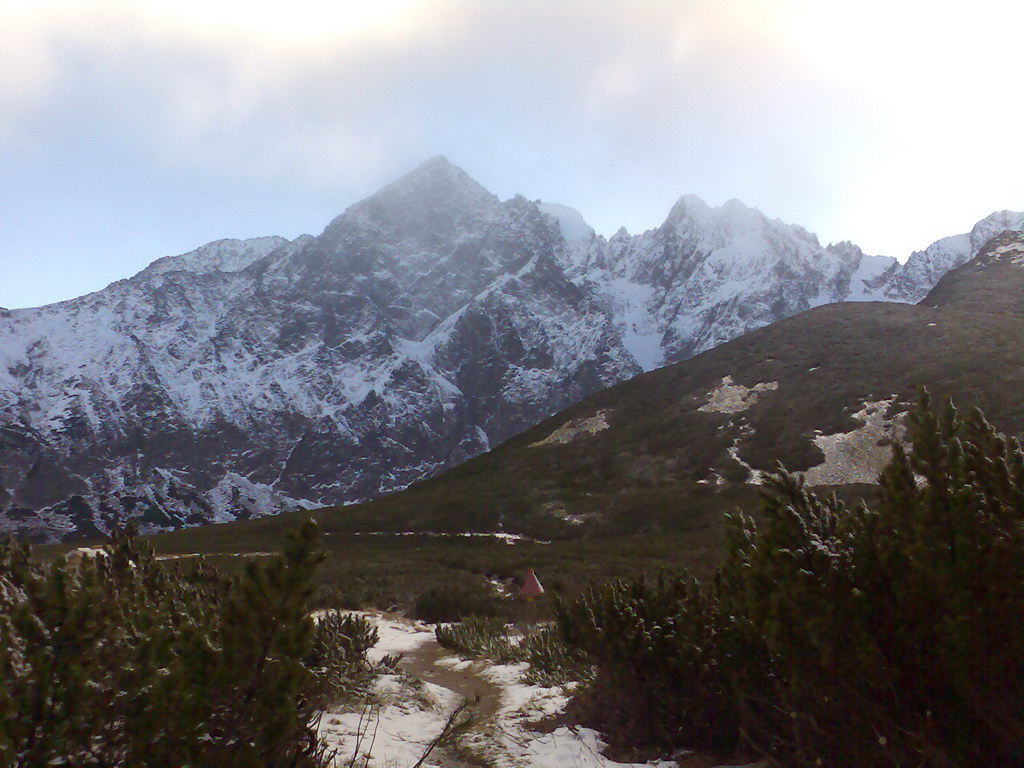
{"x": 824, "y": 392}
{"x": 426, "y": 324}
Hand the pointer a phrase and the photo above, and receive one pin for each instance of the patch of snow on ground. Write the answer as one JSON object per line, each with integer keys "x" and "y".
{"x": 587, "y": 425}
{"x": 735, "y": 398}
{"x": 756, "y": 476}
{"x": 520, "y": 746}
{"x": 715, "y": 478}
{"x": 508, "y": 538}
{"x": 397, "y": 635}
{"x": 186, "y": 555}
{"x": 510, "y": 740}
{"x": 557, "y": 509}
{"x": 403, "y": 717}
{"x": 567, "y": 747}
{"x": 859, "y": 455}
{"x": 394, "y": 729}
{"x": 1015, "y": 251}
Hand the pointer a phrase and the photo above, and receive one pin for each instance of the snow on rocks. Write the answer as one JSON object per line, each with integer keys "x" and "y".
{"x": 587, "y": 425}
{"x": 571, "y": 223}
{"x": 1011, "y": 252}
{"x": 858, "y": 456}
{"x": 729, "y": 397}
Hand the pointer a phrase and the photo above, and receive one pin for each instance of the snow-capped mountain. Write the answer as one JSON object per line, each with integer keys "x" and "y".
{"x": 426, "y": 324}
{"x": 912, "y": 281}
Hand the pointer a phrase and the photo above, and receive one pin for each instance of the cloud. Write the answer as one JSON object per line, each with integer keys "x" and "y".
{"x": 833, "y": 115}
{"x": 319, "y": 90}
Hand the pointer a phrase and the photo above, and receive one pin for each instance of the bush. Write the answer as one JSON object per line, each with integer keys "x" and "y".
{"x": 480, "y": 636}
{"x": 124, "y": 661}
{"x": 449, "y": 604}
{"x": 337, "y": 655}
{"x": 881, "y": 636}
{"x": 655, "y": 650}
{"x": 551, "y": 661}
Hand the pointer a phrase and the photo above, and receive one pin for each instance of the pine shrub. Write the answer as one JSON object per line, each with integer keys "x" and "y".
{"x": 655, "y": 650}
{"x": 885, "y": 635}
{"x": 126, "y": 661}
{"x": 337, "y": 656}
{"x": 478, "y": 636}
{"x": 551, "y": 662}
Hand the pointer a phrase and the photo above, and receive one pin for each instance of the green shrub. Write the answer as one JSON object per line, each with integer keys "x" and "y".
{"x": 478, "y": 636}
{"x": 890, "y": 635}
{"x": 447, "y": 604}
{"x": 656, "y": 652}
{"x": 895, "y": 634}
{"x": 337, "y": 655}
{"x": 124, "y": 661}
{"x": 551, "y": 661}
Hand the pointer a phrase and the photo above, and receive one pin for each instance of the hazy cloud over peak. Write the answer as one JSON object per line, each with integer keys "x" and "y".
{"x": 138, "y": 128}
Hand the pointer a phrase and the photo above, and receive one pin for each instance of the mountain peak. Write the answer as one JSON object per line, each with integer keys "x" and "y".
{"x": 735, "y": 204}
{"x": 437, "y": 163}
{"x": 438, "y": 172}
{"x": 733, "y": 217}
{"x": 688, "y": 205}
{"x": 693, "y": 208}
{"x": 435, "y": 193}
{"x": 994, "y": 224}
{"x": 571, "y": 223}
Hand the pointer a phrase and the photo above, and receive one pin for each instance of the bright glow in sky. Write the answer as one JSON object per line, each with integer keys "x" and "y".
{"x": 133, "y": 129}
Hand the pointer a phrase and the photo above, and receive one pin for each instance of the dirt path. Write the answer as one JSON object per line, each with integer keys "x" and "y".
{"x": 466, "y": 682}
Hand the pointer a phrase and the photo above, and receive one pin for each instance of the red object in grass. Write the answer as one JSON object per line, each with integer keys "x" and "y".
{"x": 531, "y": 586}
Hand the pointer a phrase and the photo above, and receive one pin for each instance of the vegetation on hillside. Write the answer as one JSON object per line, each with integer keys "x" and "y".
{"x": 117, "y": 659}
{"x": 885, "y": 635}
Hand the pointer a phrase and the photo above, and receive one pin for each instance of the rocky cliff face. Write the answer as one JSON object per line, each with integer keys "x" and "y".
{"x": 426, "y": 324}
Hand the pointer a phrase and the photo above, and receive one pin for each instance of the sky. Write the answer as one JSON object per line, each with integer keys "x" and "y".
{"x": 135, "y": 129}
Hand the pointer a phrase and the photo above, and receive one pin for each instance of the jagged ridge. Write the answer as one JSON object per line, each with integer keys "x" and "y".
{"x": 426, "y": 324}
